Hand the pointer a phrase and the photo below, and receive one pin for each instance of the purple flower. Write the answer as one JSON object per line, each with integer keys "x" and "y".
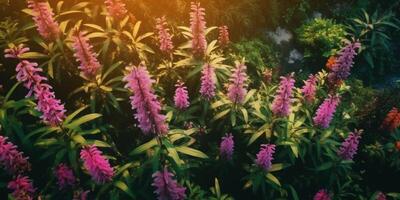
{"x": 198, "y": 27}
{"x": 380, "y": 196}
{"x": 166, "y": 187}
{"x": 326, "y": 110}
{"x": 65, "y": 176}
{"x": 27, "y": 73}
{"x": 226, "y": 147}
{"x": 309, "y": 89}
{"x": 16, "y": 51}
{"x": 164, "y": 37}
{"x": 89, "y": 65}
{"x": 207, "y": 88}
{"x": 283, "y": 98}
{"x": 237, "y": 87}
{"x": 322, "y": 195}
{"x": 350, "y": 145}
{"x": 116, "y": 8}
{"x": 145, "y": 101}
{"x": 96, "y": 164}
{"x": 265, "y": 156}
{"x": 181, "y": 97}
{"x": 223, "y": 36}
{"x": 44, "y": 18}
{"x": 343, "y": 63}
{"x": 22, "y": 188}
{"x": 11, "y": 159}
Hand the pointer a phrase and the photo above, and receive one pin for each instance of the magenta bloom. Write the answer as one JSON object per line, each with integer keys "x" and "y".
{"x": 16, "y": 51}
{"x": 283, "y": 98}
{"x": 96, "y": 164}
{"x": 207, "y": 88}
{"x": 325, "y": 112}
{"x": 80, "y": 195}
{"x": 309, "y": 89}
{"x": 11, "y": 159}
{"x": 380, "y": 196}
{"x": 181, "y": 97}
{"x": 265, "y": 156}
{"x": 44, "y": 18}
{"x": 223, "y": 36}
{"x": 322, "y": 195}
{"x": 89, "y": 65}
{"x": 350, "y": 145}
{"x": 198, "y": 27}
{"x": 164, "y": 37}
{"x": 65, "y": 176}
{"x": 343, "y": 63}
{"x": 116, "y": 8}
{"x": 166, "y": 187}
{"x": 226, "y": 147}
{"x": 22, "y": 188}
{"x": 145, "y": 101}
{"x": 237, "y": 87}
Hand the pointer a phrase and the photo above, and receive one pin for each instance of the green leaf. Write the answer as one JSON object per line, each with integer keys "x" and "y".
{"x": 122, "y": 186}
{"x": 82, "y": 120}
{"x": 79, "y": 139}
{"x": 99, "y": 143}
{"x": 221, "y": 114}
{"x": 273, "y": 179}
{"x": 277, "y": 167}
{"x": 33, "y": 55}
{"x": 144, "y": 147}
{"x": 191, "y": 152}
{"x": 72, "y": 115}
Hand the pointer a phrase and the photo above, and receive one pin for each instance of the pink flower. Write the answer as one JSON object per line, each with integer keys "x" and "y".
{"x": 65, "y": 176}
{"x": 265, "y": 156}
{"x": 116, "y": 8}
{"x": 16, "y": 51}
{"x": 207, "y": 88}
{"x": 43, "y": 17}
{"x": 380, "y": 196}
{"x": 166, "y": 187}
{"x": 325, "y": 112}
{"x": 237, "y": 87}
{"x": 198, "y": 27}
{"x": 11, "y": 159}
{"x": 343, "y": 63}
{"x": 350, "y": 145}
{"x": 27, "y": 73}
{"x": 283, "y": 98}
{"x": 223, "y": 37}
{"x": 145, "y": 101}
{"x": 181, "y": 97}
{"x": 322, "y": 195}
{"x": 226, "y": 147}
{"x": 22, "y": 188}
{"x": 96, "y": 164}
{"x": 89, "y": 65}
{"x": 309, "y": 89}
{"x": 164, "y": 37}
{"x": 80, "y": 195}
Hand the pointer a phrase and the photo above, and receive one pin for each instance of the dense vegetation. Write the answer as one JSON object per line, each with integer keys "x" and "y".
{"x": 251, "y": 99}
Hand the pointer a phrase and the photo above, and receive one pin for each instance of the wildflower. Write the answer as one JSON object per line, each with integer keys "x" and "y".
{"x": 322, "y": 195}
{"x": 343, "y": 63}
{"x": 397, "y": 145}
{"x": 11, "y": 159}
{"x": 116, "y": 8}
{"x": 164, "y": 37}
{"x": 181, "y": 97}
{"x": 207, "y": 88}
{"x": 226, "y": 147}
{"x": 331, "y": 62}
{"x": 16, "y": 51}
{"x": 265, "y": 156}
{"x": 22, "y": 188}
{"x": 237, "y": 88}
{"x": 325, "y": 112}
{"x": 350, "y": 145}
{"x": 166, "y": 187}
{"x": 283, "y": 98}
{"x": 380, "y": 196}
{"x": 223, "y": 37}
{"x": 89, "y": 65}
{"x": 65, "y": 176}
{"x": 80, "y": 195}
{"x": 198, "y": 27}
{"x": 145, "y": 101}
{"x": 392, "y": 120}
{"x": 96, "y": 164}
{"x": 309, "y": 89}
{"x": 44, "y": 18}
{"x": 267, "y": 75}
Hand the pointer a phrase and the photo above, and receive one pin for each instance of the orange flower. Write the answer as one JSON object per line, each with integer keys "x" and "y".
{"x": 397, "y": 145}
{"x": 392, "y": 120}
{"x": 331, "y": 61}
